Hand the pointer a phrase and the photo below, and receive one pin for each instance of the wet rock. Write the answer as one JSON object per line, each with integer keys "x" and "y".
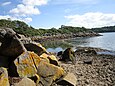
{"x": 49, "y": 73}
{"x": 68, "y": 80}
{"x": 4, "y": 77}
{"x": 35, "y": 47}
{"x": 25, "y": 82}
{"x": 27, "y": 63}
{"x": 68, "y": 55}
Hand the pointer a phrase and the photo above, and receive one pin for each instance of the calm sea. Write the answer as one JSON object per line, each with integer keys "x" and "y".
{"x": 107, "y": 41}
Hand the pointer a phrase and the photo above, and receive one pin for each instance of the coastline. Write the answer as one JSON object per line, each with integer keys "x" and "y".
{"x": 64, "y": 36}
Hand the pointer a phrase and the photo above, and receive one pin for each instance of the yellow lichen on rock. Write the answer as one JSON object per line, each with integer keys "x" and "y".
{"x": 4, "y": 77}
{"x": 49, "y": 72}
{"x": 27, "y": 64}
{"x": 44, "y": 57}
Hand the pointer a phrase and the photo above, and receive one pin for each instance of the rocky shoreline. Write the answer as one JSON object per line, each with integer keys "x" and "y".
{"x": 27, "y": 63}
{"x": 64, "y": 36}
{"x": 100, "y": 72}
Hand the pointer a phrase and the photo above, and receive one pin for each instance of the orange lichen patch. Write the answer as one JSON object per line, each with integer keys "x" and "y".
{"x": 60, "y": 72}
{"x": 35, "y": 58}
{"x": 26, "y": 70}
{"x": 4, "y": 77}
{"x": 48, "y": 70}
{"x": 27, "y": 64}
{"x": 44, "y": 57}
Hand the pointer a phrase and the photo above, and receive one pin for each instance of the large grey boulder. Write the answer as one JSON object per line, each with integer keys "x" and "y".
{"x": 11, "y": 45}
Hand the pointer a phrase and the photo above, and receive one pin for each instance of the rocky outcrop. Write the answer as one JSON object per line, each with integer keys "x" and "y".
{"x": 64, "y": 36}
{"x": 11, "y": 46}
{"x": 27, "y": 64}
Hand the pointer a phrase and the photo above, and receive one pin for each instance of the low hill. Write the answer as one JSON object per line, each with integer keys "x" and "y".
{"x": 104, "y": 29}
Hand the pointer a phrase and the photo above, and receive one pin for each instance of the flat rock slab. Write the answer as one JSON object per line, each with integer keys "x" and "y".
{"x": 69, "y": 80}
{"x": 25, "y": 82}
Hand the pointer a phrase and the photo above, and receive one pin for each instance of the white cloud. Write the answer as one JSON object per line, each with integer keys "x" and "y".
{"x": 27, "y": 19}
{"x": 35, "y": 2}
{"x": 6, "y": 3}
{"x": 91, "y": 20}
{"x": 25, "y": 10}
{"x": 74, "y": 1}
{"x": 28, "y": 7}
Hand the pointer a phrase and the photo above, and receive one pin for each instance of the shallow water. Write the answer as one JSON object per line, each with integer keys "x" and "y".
{"x": 107, "y": 41}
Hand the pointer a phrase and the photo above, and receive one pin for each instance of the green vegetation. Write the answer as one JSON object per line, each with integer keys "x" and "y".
{"x": 22, "y": 28}
{"x": 104, "y": 29}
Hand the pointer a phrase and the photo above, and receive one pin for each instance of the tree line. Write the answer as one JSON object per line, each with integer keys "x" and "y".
{"x": 23, "y": 28}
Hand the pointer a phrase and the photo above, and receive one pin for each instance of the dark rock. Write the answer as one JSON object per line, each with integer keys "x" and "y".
{"x": 11, "y": 46}
{"x": 68, "y": 55}
{"x": 4, "y": 61}
{"x": 59, "y": 53}
{"x": 35, "y": 47}
{"x": 87, "y": 61}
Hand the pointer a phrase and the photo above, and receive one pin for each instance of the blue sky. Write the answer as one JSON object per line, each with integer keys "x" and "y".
{"x": 54, "y": 13}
